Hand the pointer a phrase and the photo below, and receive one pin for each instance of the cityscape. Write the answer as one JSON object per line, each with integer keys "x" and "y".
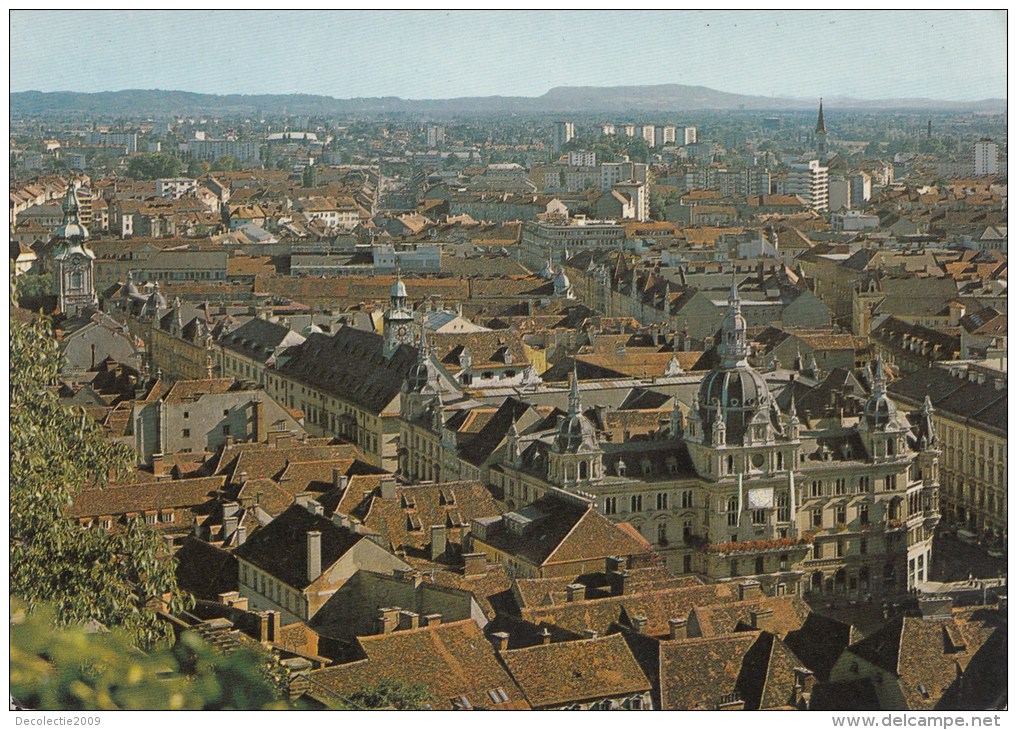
{"x": 542, "y": 392}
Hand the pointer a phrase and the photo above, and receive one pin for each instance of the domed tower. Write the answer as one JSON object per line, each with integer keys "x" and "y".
{"x": 75, "y": 282}
{"x": 575, "y": 456}
{"x": 562, "y": 285}
{"x": 882, "y": 428}
{"x": 734, "y": 425}
{"x": 421, "y": 384}
{"x": 398, "y": 327}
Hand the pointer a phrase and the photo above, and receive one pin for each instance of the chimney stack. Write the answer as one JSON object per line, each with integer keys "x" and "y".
{"x": 431, "y": 619}
{"x": 639, "y": 624}
{"x": 749, "y": 590}
{"x": 439, "y": 541}
{"x": 158, "y": 465}
{"x": 501, "y": 640}
{"x": 313, "y": 555}
{"x": 679, "y": 628}
{"x": 590, "y": 634}
{"x": 545, "y": 636}
{"x": 229, "y": 526}
{"x": 241, "y": 535}
{"x": 614, "y": 563}
{"x": 618, "y": 580}
{"x": 388, "y": 487}
{"x": 762, "y": 619}
{"x": 386, "y": 620}
{"x": 475, "y": 564}
{"x": 339, "y": 480}
{"x": 575, "y": 592}
{"x": 274, "y": 625}
{"x": 258, "y": 421}
{"x": 408, "y": 620}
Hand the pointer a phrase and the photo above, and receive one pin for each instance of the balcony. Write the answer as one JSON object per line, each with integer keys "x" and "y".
{"x": 755, "y": 547}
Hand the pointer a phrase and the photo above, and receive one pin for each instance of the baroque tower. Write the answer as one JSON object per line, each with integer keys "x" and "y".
{"x": 74, "y": 261}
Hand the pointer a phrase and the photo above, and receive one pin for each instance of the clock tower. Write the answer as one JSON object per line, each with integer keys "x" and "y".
{"x": 398, "y": 328}
{"x": 74, "y": 261}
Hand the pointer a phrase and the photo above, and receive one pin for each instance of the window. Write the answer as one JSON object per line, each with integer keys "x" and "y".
{"x": 816, "y": 489}
{"x": 226, "y": 412}
{"x": 863, "y": 546}
{"x": 662, "y": 500}
{"x": 759, "y": 517}
{"x": 817, "y": 551}
{"x": 841, "y": 548}
{"x": 687, "y": 499}
{"x": 863, "y": 514}
{"x": 687, "y": 564}
{"x": 782, "y": 561}
{"x": 610, "y": 505}
{"x": 863, "y": 484}
{"x": 840, "y": 486}
{"x": 187, "y": 414}
{"x": 226, "y": 430}
{"x": 760, "y": 565}
{"x": 841, "y": 514}
{"x": 783, "y": 508}
{"x": 817, "y": 517}
{"x": 186, "y": 433}
{"x": 636, "y": 503}
{"x": 732, "y": 512}
{"x": 734, "y": 568}
{"x": 662, "y": 533}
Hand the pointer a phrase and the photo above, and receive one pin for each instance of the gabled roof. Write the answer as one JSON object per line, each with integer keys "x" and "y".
{"x": 147, "y": 496}
{"x": 279, "y": 548}
{"x": 453, "y": 661}
{"x": 753, "y": 667}
{"x": 576, "y": 671}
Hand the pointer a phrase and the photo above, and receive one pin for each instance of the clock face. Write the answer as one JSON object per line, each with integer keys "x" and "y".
{"x": 403, "y": 333}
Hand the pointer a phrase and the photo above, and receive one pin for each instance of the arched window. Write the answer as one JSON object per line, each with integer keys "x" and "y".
{"x": 662, "y": 533}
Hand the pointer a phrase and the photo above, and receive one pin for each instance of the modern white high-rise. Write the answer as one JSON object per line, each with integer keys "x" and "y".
{"x": 435, "y": 135}
{"x": 582, "y": 158}
{"x": 563, "y": 134}
{"x": 607, "y": 129}
{"x": 811, "y": 182}
{"x": 986, "y": 157}
{"x": 689, "y": 136}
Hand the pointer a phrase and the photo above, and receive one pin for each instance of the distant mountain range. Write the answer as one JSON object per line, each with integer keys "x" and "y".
{"x": 559, "y": 100}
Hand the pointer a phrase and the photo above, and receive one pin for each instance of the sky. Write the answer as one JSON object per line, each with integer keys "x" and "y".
{"x": 945, "y": 55}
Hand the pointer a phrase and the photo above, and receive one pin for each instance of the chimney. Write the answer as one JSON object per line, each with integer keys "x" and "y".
{"x": 439, "y": 541}
{"x": 545, "y": 636}
{"x": 386, "y": 620}
{"x": 590, "y": 634}
{"x": 241, "y": 535}
{"x": 575, "y": 592}
{"x": 242, "y": 478}
{"x": 228, "y": 597}
{"x": 749, "y": 590}
{"x": 805, "y": 682}
{"x": 678, "y": 628}
{"x": 475, "y": 564}
{"x": 762, "y": 619}
{"x": 313, "y": 555}
{"x": 274, "y": 625}
{"x": 501, "y": 640}
{"x": 264, "y": 626}
{"x": 617, "y": 580}
{"x": 388, "y": 487}
{"x": 229, "y": 526}
{"x": 408, "y": 620}
{"x": 158, "y": 465}
{"x": 258, "y": 422}
{"x": 613, "y": 563}
{"x": 339, "y": 480}
{"x": 639, "y": 624}
{"x": 431, "y": 619}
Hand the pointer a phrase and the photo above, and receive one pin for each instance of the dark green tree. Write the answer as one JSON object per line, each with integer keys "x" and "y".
{"x": 152, "y": 166}
{"x": 310, "y": 177}
{"x": 109, "y": 577}
{"x": 197, "y": 168}
{"x": 226, "y": 164}
{"x": 391, "y": 694}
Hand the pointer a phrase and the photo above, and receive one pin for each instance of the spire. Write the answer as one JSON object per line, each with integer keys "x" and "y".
{"x": 677, "y": 421}
{"x": 792, "y": 413}
{"x": 422, "y": 351}
{"x": 733, "y": 349}
{"x": 574, "y": 405}
{"x": 879, "y": 378}
{"x": 821, "y": 122}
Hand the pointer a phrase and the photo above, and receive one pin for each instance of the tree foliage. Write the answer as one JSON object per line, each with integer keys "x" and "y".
{"x": 391, "y": 694}
{"x": 152, "y": 166}
{"x": 72, "y": 669}
{"x": 86, "y": 574}
{"x": 226, "y": 164}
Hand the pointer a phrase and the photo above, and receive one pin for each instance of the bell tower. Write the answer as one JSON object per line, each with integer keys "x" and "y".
{"x": 74, "y": 261}
{"x": 398, "y": 326}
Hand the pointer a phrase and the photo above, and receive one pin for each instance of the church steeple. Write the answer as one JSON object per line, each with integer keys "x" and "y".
{"x": 821, "y": 134}
{"x": 75, "y": 286}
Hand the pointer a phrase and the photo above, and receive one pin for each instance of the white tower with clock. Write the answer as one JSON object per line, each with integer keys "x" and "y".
{"x": 398, "y": 319}
{"x": 74, "y": 261}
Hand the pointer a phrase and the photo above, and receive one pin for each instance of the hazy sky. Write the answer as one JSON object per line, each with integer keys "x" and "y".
{"x": 948, "y": 55}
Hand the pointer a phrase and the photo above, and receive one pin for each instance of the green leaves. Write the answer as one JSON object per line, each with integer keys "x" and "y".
{"x": 72, "y": 669}
{"x": 55, "y": 451}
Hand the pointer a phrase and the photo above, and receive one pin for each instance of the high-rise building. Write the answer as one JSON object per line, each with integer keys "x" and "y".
{"x": 839, "y": 195}
{"x": 689, "y": 135}
{"x": 986, "y": 157}
{"x": 607, "y": 129}
{"x": 582, "y": 158}
{"x": 562, "y": 135}
{"x": 435, "y": 135}
{"x": 811, "y": 182}
{"x": 861, "y": 189}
